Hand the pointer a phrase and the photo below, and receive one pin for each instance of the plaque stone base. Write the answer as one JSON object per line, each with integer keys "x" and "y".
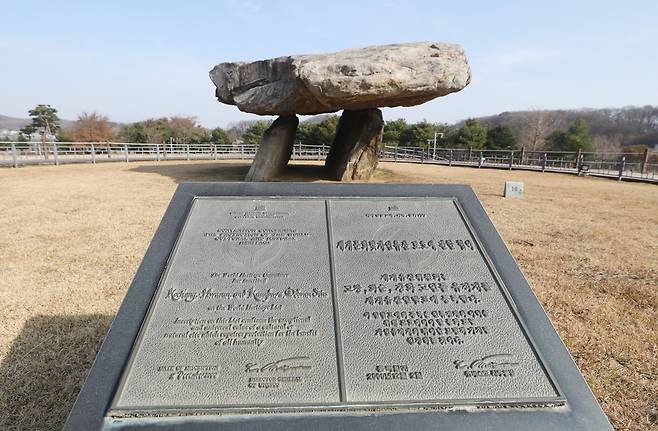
{"x": 299, "y": 306}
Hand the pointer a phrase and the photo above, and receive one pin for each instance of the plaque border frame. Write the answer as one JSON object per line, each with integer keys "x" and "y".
{"x": 580, "y": 411}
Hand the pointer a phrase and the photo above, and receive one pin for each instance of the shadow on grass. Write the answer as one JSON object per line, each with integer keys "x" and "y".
{"x": 44, "y": 370}
{"x": 305, "y": 173}
{"x": 181, "y": 172}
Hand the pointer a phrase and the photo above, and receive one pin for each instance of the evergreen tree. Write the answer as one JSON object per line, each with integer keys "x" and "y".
{"x": 219, "y": 136}
{"x": 134, "y": 132}
{"x": 62, "y": 136}
{"x": 417, "y": 135}
{"x": 323, "y": 133}
{"x": 304, "y": 131}
{"x": 576, "y": 137}
{"x": 44, "y": 121}
{"x": 254, "y": 133}
{"x": 473, "y": 134}
{"x": 317, "y": 133}
{"x": 393, "y": 131}
{"x": 500, "y": 138}
{"x": 179, "y": 130}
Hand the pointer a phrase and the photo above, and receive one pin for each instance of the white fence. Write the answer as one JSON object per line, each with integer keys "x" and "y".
{"x": 55, "y": 153}
{"x": 623, "y": 166}
{"x": 634, "y": 166}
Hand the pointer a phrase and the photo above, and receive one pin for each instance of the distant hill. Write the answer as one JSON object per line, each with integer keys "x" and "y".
{"x": 13, "y": 123}
{"x": 317, "y": 118}
{"x": 244, "y": 124}
{"x": 611, "y": 128}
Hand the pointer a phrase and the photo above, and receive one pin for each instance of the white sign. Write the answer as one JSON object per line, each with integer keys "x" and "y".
{"x": 513, "y": 189}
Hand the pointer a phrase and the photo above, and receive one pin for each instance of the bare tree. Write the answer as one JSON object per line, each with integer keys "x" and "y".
{"x": 535, "y": 126}
{"x": 92, "y": 127}
{"x": 186, "y": 130}
{"x": 608, "y": 143}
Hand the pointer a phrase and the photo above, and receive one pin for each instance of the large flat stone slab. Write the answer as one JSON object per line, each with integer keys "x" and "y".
{"x": 389, "y": 75}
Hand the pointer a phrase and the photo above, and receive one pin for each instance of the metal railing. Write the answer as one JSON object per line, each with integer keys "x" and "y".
{"x": 622, "y": 166}
{"x": 618, "y": 165}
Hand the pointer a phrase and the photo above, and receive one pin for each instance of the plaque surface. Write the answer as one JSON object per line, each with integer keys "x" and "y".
{"x": 244, "y": 313}
{"x": 296, "y": 307}
{"x": 422, "y": 315}
{"x": 325, "y": 303}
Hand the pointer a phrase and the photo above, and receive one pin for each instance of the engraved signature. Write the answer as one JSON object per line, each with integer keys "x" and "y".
{"x": 280, "y": 366}
{"x": 498, "y": 360}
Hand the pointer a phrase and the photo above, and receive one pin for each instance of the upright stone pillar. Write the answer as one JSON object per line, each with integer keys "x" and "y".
{"x": 354, "y": 152}
{"x": 274, "y": 150}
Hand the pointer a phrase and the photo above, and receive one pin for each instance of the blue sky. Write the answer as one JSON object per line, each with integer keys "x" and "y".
{"x": 131, "y": 60}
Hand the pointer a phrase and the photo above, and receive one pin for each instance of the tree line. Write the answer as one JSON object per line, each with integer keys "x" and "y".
{"x": 472, "y": 133}
{"x": 587, "y": 130}
{"x": 629, "y": 128}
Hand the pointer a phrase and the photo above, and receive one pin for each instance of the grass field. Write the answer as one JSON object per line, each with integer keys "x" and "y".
{"x": 71, "y": 238}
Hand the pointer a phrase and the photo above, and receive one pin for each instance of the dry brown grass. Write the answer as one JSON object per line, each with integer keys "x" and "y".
{"x": 71, "y": 238}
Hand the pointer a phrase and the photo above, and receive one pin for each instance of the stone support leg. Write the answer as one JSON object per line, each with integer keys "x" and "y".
{"x": 274, "y": 150}
{"x": 354, "y": 152}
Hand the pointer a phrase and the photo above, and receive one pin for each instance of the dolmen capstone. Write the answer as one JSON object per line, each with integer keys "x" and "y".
{"x": 357, "y": 81}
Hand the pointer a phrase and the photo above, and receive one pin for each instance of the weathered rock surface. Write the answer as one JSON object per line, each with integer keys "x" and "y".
{"x": 353, "y": 154}
{"x": 388, "y": 75}
{"x": 274, "y": 150}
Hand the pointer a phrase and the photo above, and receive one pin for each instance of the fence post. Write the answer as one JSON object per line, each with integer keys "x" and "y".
{"x": 93, "y": 153}
{"x": 125, "y": 152}
{"x": 543, "y": 162}
{"x": 645, "y": 160}
{"x": 622, "y": 165}
{"x": 13, "y": 155}
{"x": 479, "y": 160}
{"x": 578, "y": 155}
{"x": 450, "y": 158}
{"x": 470, "y": 153}
{"x": 55, "y": 153}
{"x": 522, "y": 156}
{"x": 511, "y": 159}
{"x": 241, "y": 152}
{"x": 395, "y": 157}
{"x": 214, "y": 152}
{"x": 157, "y": 152}
{"x": 187, "y": 151}
{"x": 319, "y": 155}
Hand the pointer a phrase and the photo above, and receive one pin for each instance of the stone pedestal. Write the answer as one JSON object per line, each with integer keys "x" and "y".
{"x": 353, "y": 154}
{"x": 274, "y": 150}
{"x": 258, "y": 346}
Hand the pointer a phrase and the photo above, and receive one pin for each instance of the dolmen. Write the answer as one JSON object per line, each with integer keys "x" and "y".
{"x": 356, "y": 81}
